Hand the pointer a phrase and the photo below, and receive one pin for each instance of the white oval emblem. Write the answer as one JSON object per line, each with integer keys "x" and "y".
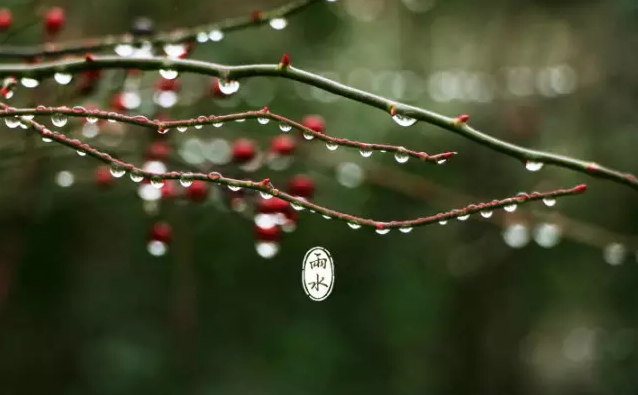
{"x": 318, "y": 274}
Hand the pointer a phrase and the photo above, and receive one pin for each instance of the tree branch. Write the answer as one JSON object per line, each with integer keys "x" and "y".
{"x": 457, "y": 125}
{"x": 180, "y": 35}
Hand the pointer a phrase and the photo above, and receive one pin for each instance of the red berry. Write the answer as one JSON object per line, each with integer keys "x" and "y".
{"x": 117, "y": 102}
{"x": 314, "y": 122}
{"x": 5, "y": 19}
{"x": 243, "y": 151}
{"x": 168, "y": 189}
{"x": 267, "y": 234}
{"x": 103, "y": 176}
{"x": 161, "y": 231}
{"x": 282, "y": 145}
{"x": 301, "y": 185}
{"x": 168, "y": 85}
{"x": 197, "y": 191}
{"x": 54, "y": 20}
{"x": 159, "y": 150}
{"x": 273, "y": 205}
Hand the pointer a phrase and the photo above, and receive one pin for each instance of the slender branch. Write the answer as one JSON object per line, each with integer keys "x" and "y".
{"x": 268, "y": 190}
{"x": 456, "y": 125}
{"x": 180, "y": 35}
{"x": 262, "y": 115}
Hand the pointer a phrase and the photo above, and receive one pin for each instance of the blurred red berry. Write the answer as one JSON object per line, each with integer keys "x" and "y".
{"x": 54, "y": 20}
{"x": 314, "y": 122}
{"x": 267, "y": 234}
{"x": 161, "y": 231}
{"x": 169, "y": 190}
{"x": 5, "y": 19}
{"x": 273, "y": 205}
{"x": 301, "y": 185}
{"x": 117, "y": 102}
{"x": 197, "y": 191}
{"x": 103, "y": 176}
{"x": 168, "y": 85}
{"x": 282, "y": 145}
{"x": 159, "y": 150}
{"x": 243, "y": 151}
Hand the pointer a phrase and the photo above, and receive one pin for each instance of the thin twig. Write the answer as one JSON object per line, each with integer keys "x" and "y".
{"x": 457, "y": 125}
{"x": 180, "y": 35}
{"x": 264, "y": 114}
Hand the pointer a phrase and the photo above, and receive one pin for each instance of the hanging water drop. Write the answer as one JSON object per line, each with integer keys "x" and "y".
{"x": 366, "y": 153}
{"x": 308, "y": 136}
{"x": 332, "y": 146}
{"x": 218, "y": 124}
{"x": 91, "y": 119}
{"x": 278, "y": 23}
{"x": 265, "y": 195}
{"x": 549, "y": 202}
{"x": 136, "y": 176}
{"x": 81, "y": 153}
{"x": 326, "y": 216}
{"x": 441, "y": 161}
{"x": 442, "y": 222}
{"x": 182, "y": 129}
{"x": 169, "y": 74}
{"x": 486, "y": 213}
{"x": 382, "y": 231}
{"x": 62, "y": 78}
{"x": 284, "y": 127}
{"x": 463, "y": 217}
{"x": 403, "y": 120}
{"x": 240, "y": 120}
{"x": 406, "y": 229}
{"x": 510, "y": 208}
{"x": 29, "y": 82}
{"x": 12, "y": 122}
{"x": 124, "y": 50}
{"x": 174, "y": 50}
{"x": 228, "y": 87}
{"x": 186, "y": 179}
{"x": 216, "y": 35}
{"x": 59, "y": 120}
{"x": 296, "y": 206}
{"x": 46, "y": 139}
{"x": 533, "y": 166}
{"x": 201, "y": 37}
{"x": 117, "y": 171}
{"x": 157, "y": 182}
{"x": 162, "y": 130}
{"x": 263, "y": 120}
{"x": 401, "y": 156}
{"x": 234, "y": 188}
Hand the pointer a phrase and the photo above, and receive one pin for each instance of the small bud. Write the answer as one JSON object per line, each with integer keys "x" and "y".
{"x": 393, "y": 111}
{"x": 89, "y": 57}
{"x": 581, "y": 188}
{"x": 461, "y": 119}
{"x": 256, "y": 16}
{"x": 285, "y": 62}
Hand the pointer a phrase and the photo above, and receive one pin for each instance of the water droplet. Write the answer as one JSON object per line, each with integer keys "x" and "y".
{"x": 284, "y": 127}
{"x": 332, "y": 146}
{"x": 267, "y": 249}
{"x": 366, "y": 153}
{"x": 91, "y": 119}
{"x": 156, "y": 248}
{"x": 136, "y": 176}
{"x": 216, "y": 35}
{"x": 263, "y": 120}
{"x": 8, "y": 95}
{"x": 401, "y": 157}
{"x": 186, "y": 179}
{"x": 533, "y": 166}
{"x": 463, "y": 217}
{"x": 162, "y": 130}
{"x": 117, "y": 171}
{"x": 12, "y": 122}
{"x": 326, "y": 216}
{"x": 278, "y": 23}
{"x": 443, "y": 222}
{"x": 510, "y": 208}
{"x": 174, "y": 50}
{"x": 218, "y": 124}
{"x": 46, "y": 139}
{"x": 486, "y": 213}
{"x": 62, "y": 78}
{"x": 29, "y": 82}
{"x": 157, "y": 182}
{"x": 228, "y": 87}
{"x": 265, "y": 195}
{"x": 403, "y": 120}
{"x": 549, "y": 202}
{"x": 308, "y": 136}
{"x": 234, "y": 188}
{"x": 81, "y": 153}
{"x": 201, "y": 37}
{"x": 382, "y": 231}
{"x": 59, "y": 120}
{"x": 354, "y": 225}
{"x": 124, "y": 50}
{"x": 240, "y": 120}
{"x": 169, "y": 74}
{"x": 182, "y": 129}
{"x": 296, "y": 206}
{"x": 406, "y": 229}
{"x": 441, "y": 161}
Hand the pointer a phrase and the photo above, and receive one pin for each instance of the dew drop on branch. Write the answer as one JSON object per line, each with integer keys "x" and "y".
{"x": 263, "y": 120}
{"x": 354, "y": 225}
{"x": 12, "y": 122}
{"x": 384, "y": 231}
{"x": 201, "y": 37}
{"x": 284, "y": 127}
{"x": 442, "y": 222}
{"x": 366, "y": 153}
{"x": 533, "y": 166}
{"x": 186, "y": 179}
{"x": 406, "y": 229}
{"x": 549, "y": 202}
{"x": 228, "y": 87}
{"x": 136, "y": 176}
{"x": 81, "y": 153}
{"x": 332, "y": 146}
{"x": 486, "y": 213}
{"x": 510, "y": 208}
{"x": 91, "y": 119}
{"x": 296, "y": 206}
{"x": 216, "y": 35}
{"x": 59, "y": 120}
{"x": 169, "y": 74}
{"x": 157, "y": 182}
{"x": 124, "y": 50}
{"x": 308, "y": 136}
{"x": 403, "y": 120}
{"x": 117, "y": 171}
{"x": 463, "y": 217}
{"x": 278, "y": 23}
{"x": 29, "y": 82}
{"x": 62, "y": 78}
{"x": 234, "y": 188}
{"x": 401, "y": 157}
{"x": 326, "y": 216}
{"x": 218, "y": 124}
{"x": 265, "y": 195}
{"x": 174, "y": 50}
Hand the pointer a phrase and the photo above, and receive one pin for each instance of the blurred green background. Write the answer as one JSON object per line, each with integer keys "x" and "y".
{"x": 539, "y": 301}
